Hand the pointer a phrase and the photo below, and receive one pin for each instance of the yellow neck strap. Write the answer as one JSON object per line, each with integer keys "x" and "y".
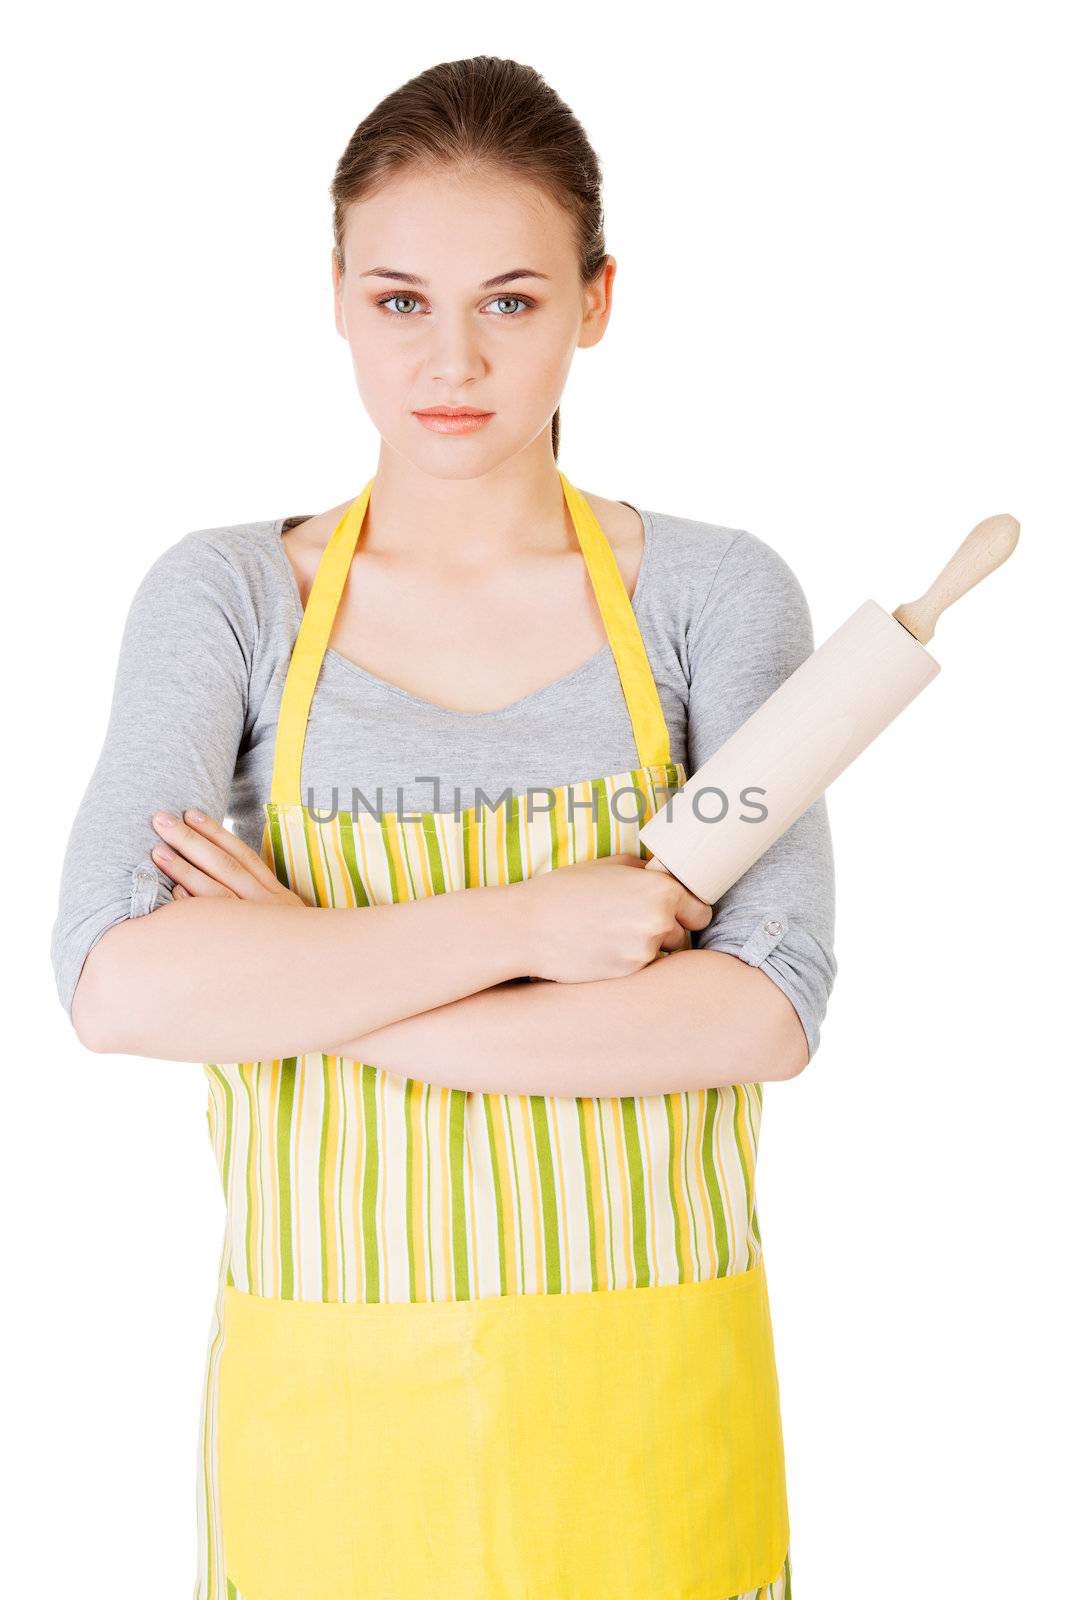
{"x": 651, "y": 736}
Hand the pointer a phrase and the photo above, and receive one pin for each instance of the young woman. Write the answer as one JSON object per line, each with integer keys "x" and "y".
{"x": 492, "y": 1317}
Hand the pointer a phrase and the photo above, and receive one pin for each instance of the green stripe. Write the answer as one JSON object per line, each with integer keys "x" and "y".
{"x": 348, "y": 852}
{"x": 636, "y": 1186}
{"x": 759, "y": 1087}
{"x": 409, "y": 1185}
{"x": 343, "y": 1101}
{"x": 287, "y": 1088}
{"x": 602, "y": 817}
{"x": 324, "y": 1132}
{"x": 465, "y": 841}
{"x": 324, "y": 855}
{"x": 372, "y": 1266}
{"x": 433, "y": 850}
{"x": 715, "y": 1193}
{"x": 740, "y": 1105}
{"x": 539, "y": 1115}
{"x": 687, "y": 1107}
{"x": 513, "y": 852}
{"x": 278, "y": 863}
{"x": 456, "y": 1112}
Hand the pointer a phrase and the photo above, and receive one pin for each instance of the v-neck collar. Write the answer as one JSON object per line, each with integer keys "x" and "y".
{"x": 431, "y": 706}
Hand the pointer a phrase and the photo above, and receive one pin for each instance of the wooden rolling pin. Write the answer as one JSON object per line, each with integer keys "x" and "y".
{"x": 792, "y": 748}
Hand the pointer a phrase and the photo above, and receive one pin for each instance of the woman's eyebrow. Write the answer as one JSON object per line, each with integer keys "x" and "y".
{"x": 423, "y": 283}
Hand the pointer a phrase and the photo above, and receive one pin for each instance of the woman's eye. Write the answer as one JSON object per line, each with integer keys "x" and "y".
{"x": 412, "y": 300}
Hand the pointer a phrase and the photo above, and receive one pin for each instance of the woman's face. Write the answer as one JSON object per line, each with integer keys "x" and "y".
{"x": 448, "y": 340}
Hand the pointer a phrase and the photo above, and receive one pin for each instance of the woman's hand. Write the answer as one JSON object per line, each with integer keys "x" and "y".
{"x": 602, "y": 919}
{"x": 207, "y": 859}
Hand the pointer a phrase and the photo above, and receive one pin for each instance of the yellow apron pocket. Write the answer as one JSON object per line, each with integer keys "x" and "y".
{"x": 285, "y": 1435}
{"x": 621, "y": 1443}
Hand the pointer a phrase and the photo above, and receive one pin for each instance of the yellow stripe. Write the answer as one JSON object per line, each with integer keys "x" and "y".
{"x": 624, "y": 635}
{"x": 648, "y": 1190}
{"x": 588, "y": 1108}
{"x": 312, "y": 640}
{"x": 558, "y": 1168}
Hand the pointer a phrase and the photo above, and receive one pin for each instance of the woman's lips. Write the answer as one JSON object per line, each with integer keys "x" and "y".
{"x": 437, "y": 423}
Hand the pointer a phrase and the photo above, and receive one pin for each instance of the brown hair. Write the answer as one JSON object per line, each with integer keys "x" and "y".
{"x": 489, "y": 111}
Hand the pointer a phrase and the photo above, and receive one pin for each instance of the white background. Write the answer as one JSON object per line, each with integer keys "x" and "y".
{"x": 840, "y": 323}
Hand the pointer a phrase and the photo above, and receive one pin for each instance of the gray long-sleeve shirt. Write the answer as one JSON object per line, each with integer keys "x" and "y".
{"x": 203, "y": 659}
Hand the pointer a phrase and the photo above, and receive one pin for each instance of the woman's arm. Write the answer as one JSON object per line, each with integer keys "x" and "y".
{"x": 593, "y": 920}
{"x": 140, "y": 973}
{"x": 178, "y": 715}
{"x": 746, "y": 1003}
{"x": 236, "y": 980}
{"x": 754, "y": 630}
{"x": 591, "y": 928}
{"x": 693, "y": 1019}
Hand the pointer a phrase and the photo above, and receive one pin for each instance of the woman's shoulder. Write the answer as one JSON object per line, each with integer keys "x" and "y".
{"x": 245, "y": 545}
{"x": 677, "y": 555}
{"x": 730, "y": 570}
{"x": 716, "y": 547}
{"x": 231, "y": 576}
{"x": 225, "y": 559}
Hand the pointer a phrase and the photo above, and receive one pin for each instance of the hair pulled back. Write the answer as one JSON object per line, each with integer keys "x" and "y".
{"x": 480, "y": 112}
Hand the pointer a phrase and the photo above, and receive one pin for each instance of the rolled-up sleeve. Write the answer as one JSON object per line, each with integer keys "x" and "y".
{"x": 753, "y": 631}
{"x": 177, "y": 718}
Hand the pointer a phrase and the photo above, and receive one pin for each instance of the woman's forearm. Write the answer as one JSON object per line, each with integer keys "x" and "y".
{"x": 221, "y": 979}
{"x": 693, "y": 1019}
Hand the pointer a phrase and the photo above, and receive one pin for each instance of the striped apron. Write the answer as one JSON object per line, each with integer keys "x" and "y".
{"x": 471, "y": 1345}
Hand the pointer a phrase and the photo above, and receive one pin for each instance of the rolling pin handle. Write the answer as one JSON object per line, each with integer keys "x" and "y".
{"x": 990, "y": 542}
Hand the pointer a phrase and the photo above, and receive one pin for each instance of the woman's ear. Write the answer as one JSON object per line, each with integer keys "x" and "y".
{"x": 598, "y": 305}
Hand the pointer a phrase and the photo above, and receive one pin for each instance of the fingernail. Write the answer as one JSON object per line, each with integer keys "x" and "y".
{"x": 161, "y": 853}
{"x": 197, "y": 816}
{"x": 165, "y": 819}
